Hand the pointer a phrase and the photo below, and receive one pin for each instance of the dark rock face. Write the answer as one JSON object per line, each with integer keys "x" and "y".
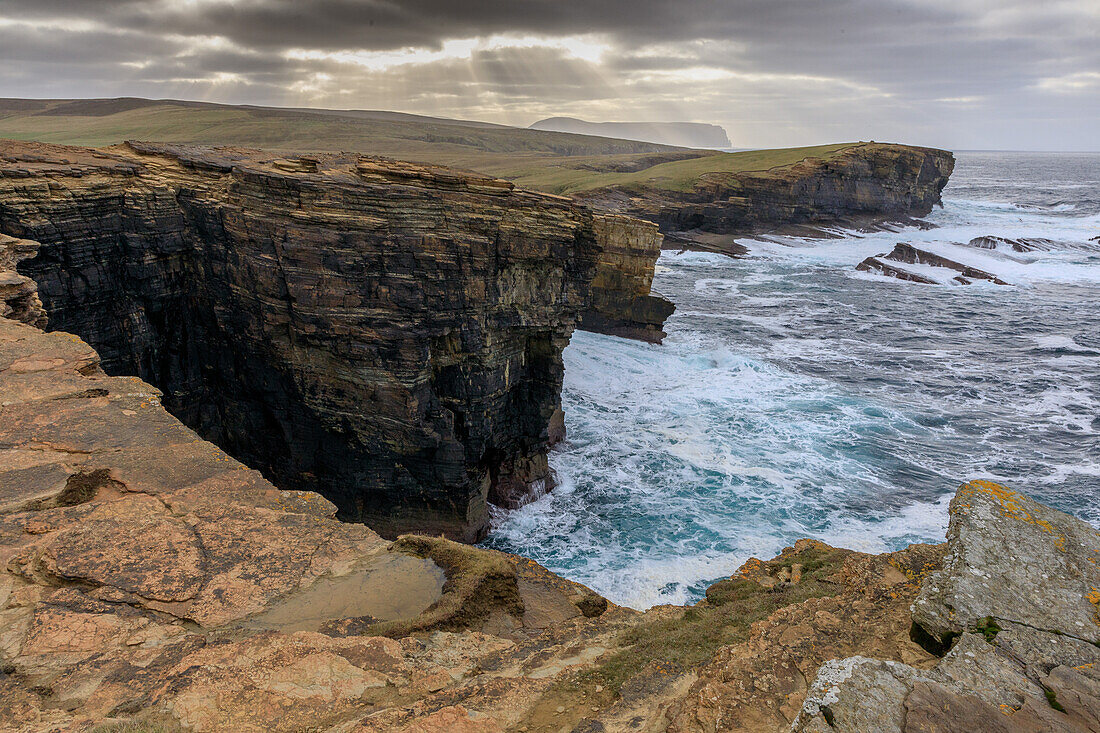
{"x": 386, "y": 334}
{"x": 908, "y": 254}
{"x": 862, "y": 184}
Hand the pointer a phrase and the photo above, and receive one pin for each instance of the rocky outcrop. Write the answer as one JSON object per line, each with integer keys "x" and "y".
{"x": 934, "y": 269}
{"x": 865, "y": 183}
{"x": 149, "y": 579}
{"x": 621, "y": 302}
{"x": 387, "y": 334}
{"x": 18, "y": 294}
{"x": 1017, "y": 606}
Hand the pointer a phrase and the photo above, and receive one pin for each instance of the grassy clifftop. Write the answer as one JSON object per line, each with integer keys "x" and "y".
{"x": 560, "y": 163}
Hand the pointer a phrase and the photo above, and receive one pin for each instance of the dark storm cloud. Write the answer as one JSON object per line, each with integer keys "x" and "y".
{"x": 776, "y": 71}
{"x": 390, "y": 24}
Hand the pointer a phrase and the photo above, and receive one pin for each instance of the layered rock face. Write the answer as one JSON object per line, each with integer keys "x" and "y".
{"x": 387, "y": 334}
{"x": 868, "y": 182}
{"x": 621, "y": 303}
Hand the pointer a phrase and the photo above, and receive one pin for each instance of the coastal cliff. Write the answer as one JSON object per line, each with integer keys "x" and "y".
{"x": 847, "y": 185}
{"x": 149, "y": 581}
{"x": 384, "y": 333}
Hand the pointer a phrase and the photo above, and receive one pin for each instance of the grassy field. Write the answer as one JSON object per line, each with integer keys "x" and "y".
{"x": 679, "y": 175}
{"x": 549, "y": 161}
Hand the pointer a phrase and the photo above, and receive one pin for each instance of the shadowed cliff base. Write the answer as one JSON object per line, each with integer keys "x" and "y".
{"x": 387, "y": 334}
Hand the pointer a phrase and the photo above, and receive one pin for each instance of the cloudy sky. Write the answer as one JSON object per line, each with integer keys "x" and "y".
{"x": 963, "y": 74}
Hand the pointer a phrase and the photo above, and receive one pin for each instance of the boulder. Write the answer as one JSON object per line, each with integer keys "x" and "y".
{"x": 1015, "y": 609}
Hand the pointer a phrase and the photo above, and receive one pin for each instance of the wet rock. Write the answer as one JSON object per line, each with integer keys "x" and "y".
{"x": 1024, "y": 244}
{"x": 908, "y": 254}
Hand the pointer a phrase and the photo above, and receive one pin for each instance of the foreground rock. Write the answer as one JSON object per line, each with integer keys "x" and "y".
{"x": 1017, "y": 603}
{"x": 387, "y": 334}
{"x": 146, "y": 575}
{"x": 912, "y": 264}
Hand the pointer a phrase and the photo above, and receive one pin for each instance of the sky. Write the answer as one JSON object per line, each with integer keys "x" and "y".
{"x": 959, "y": 74}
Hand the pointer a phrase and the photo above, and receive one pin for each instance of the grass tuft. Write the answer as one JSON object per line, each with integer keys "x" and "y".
{"x": 478, "y": 582}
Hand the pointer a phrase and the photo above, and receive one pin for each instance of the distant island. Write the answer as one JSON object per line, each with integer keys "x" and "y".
{"x": 684, "y": 134}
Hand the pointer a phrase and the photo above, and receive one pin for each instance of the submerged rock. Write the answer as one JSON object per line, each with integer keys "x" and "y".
{"x": 1026, "y": 244}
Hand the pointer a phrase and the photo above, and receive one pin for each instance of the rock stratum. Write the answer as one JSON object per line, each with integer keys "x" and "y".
{"x": 857, "y": 185}
{"x": 384, "y": 333}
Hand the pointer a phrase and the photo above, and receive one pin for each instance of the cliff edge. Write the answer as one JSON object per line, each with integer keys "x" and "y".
{"x": 794, "y": 190}
{"x": 149, "y": 581}
{"x": 385, "y": 333}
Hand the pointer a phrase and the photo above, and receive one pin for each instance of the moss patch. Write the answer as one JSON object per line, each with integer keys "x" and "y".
{"x": 478, "y": 583}
{"x": 690, "y": 640}
{"x": 1052, "y": 699}
{"x": 988, "y": 628}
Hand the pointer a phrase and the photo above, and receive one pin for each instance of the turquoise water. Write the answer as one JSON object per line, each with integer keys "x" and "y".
{"x": 795, "y": 397}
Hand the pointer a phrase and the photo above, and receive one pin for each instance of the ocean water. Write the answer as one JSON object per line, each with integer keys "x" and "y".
{"x": 795, "y": 397}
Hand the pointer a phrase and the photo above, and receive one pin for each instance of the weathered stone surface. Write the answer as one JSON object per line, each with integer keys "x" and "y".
{"x": 1016, "y": 601}
{"x": 18, "y": 293}
{"x": 147, "y": 577}
{"x": 1012, "y": 559}
{"x": 385, "y": 333}
{"x": 759, "y": 684}
{"x": 621, "y": 303}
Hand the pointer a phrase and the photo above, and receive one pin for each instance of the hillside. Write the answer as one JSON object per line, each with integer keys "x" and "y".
{"x": 686, "y": 134}
{"x": 479, "y": 145}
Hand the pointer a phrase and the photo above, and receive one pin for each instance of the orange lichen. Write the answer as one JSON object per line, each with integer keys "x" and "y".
{"x": 1011, "y": 506}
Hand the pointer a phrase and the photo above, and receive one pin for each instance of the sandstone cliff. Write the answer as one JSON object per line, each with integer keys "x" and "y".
{"x": 387, "y": 334}
{"x": 856, "y": 185}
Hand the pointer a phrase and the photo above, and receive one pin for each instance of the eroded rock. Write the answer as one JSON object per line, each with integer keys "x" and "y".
{"x": 930, "y": 268}
{"x": 1016, "y": 603}
{"x": 1012, "y": 559}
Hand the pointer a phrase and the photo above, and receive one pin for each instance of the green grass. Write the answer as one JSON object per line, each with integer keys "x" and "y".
{"x": 681, "y": 175}
{"x": 478, "y": 582}
{"x": 548, "y": 161}
{"x": 691, "y": 640}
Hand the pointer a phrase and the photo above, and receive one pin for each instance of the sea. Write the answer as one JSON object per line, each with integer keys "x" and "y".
{"x": 797, "y": 397}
